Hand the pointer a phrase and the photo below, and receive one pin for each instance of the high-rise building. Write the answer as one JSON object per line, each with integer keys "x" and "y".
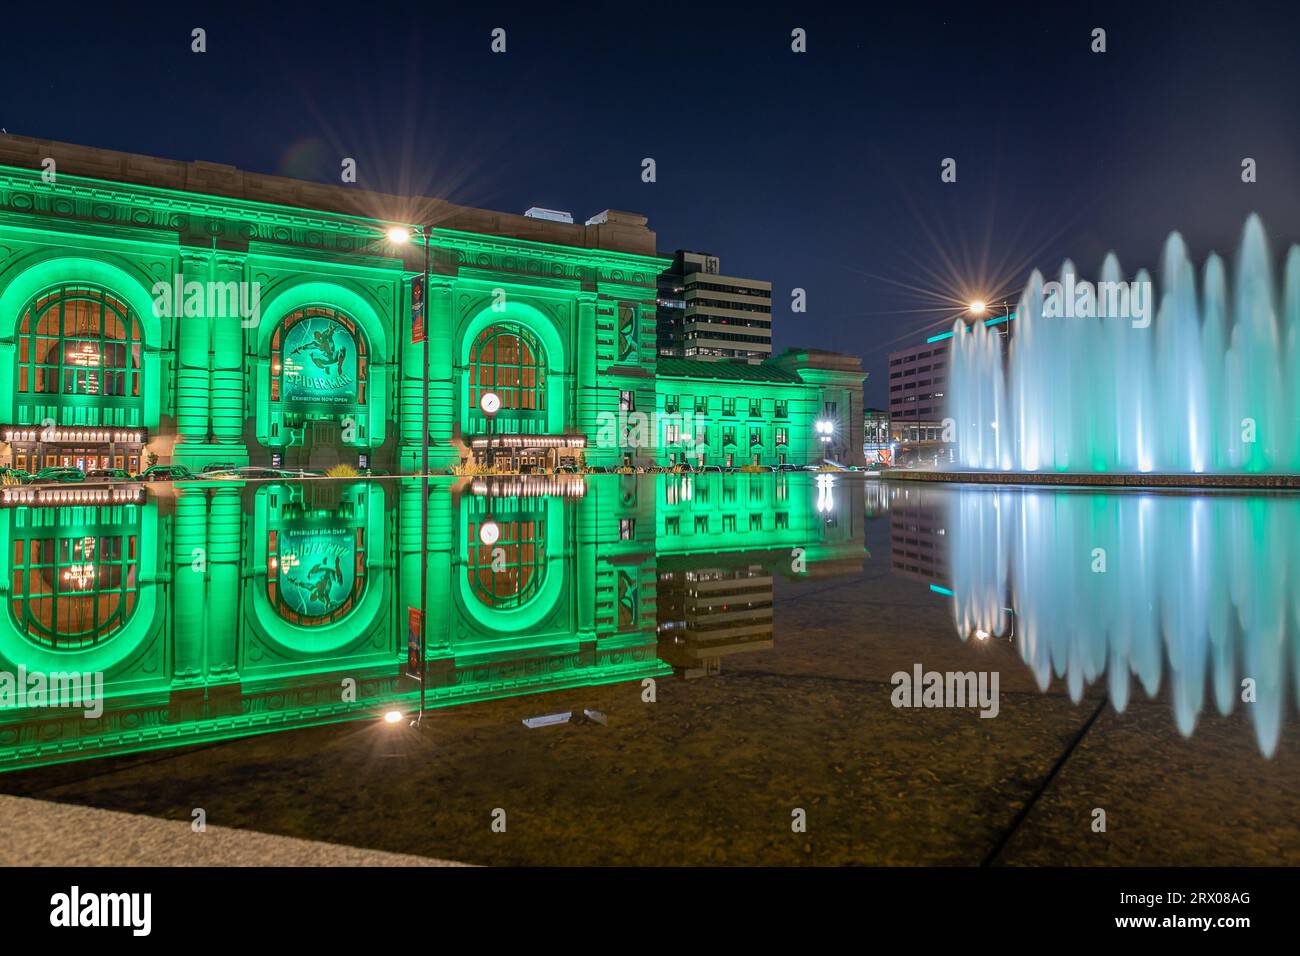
{"x": 918, "y": 383}
{"x": 704, "y": 314}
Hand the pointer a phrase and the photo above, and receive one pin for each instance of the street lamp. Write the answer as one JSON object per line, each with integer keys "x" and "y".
{"x": 401, "y": 235}
{"x": 826, "y": 432}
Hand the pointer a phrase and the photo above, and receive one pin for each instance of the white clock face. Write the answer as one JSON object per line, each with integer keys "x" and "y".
{"x": 489, "y": 532}
{"x": 490, "y": 403}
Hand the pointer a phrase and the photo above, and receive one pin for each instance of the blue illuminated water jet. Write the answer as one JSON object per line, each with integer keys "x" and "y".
{"x": 1102, "y": 377}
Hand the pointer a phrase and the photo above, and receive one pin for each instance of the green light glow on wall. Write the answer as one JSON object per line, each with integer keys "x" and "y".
{"x": 221, "y": 388}
{"x": 271, "y": 595}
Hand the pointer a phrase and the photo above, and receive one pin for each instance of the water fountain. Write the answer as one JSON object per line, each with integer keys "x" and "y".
{"x": 1102, "y": 378}
{"x": 1193, "y": 594}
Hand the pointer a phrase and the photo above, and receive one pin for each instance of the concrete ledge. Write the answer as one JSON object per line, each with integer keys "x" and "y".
{"x": 1103, "y": 479}
{"x": 59, "y": 834}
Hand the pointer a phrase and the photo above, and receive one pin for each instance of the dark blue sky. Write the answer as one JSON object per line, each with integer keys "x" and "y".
{"x": 818, "y": 171}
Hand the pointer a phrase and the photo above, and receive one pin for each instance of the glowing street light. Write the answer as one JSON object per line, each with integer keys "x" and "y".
{"x": 401, "y": 235}
{"x": 977, "y": 307}
{"x": 392, "y": 717}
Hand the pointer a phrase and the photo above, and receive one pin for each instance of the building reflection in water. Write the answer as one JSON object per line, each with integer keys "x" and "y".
{"x": 225, "y": 609}
{"x": 1199, "y": 593}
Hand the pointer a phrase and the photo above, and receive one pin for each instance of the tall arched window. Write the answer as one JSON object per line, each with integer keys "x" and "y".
{"x": 319, "y": 357}
{"x": 79, "y": 340}
{"x": 509, "y": 572}
{"x": 508, "y": 360}
{"x": 315, "y": 575}
{"x": 71, "y": 592}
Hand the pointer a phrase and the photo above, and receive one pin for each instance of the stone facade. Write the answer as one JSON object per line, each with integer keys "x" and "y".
{"x": 159, "y": 311}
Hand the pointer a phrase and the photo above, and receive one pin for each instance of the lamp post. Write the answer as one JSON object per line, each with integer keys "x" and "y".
{"x": 825, "y": 431}
{"x": 400, "y": 235}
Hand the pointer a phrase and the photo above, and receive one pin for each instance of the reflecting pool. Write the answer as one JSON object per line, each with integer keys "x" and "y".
{"x": 220, "y": 609}
{"x": 662, "y": 669}
{"x": 1136, "y": 590}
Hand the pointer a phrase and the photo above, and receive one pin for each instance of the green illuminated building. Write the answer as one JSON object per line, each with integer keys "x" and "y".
{"x": 230, "y": 609}
{"x": 153, "y": 310}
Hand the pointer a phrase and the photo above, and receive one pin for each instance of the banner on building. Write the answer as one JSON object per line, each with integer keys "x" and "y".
{"x": 320, "y": 363}
{"x": 418, "y": 333}
{"x": 415, "y": 643}
{"x": 316, "y": 570}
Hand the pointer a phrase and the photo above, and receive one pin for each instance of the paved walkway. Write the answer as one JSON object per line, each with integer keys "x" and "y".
{"x": 39, "y": 832}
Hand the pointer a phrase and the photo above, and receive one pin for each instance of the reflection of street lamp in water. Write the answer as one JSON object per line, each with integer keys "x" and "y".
{"x": 825, "y": 493}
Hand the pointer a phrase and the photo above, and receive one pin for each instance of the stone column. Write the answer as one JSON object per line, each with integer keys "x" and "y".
{"x": 225, "y": 529}
{"x": 228, "y": 360}
{"x": 442, "y": 398}
{"x": 584, "y": 416}
{"x": 189, "y": 586}
{"x": 193, "y": 357}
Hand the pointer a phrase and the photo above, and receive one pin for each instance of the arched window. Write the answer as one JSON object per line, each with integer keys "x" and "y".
{"x": 315, "y": 575}
{"x": 71, "y": 592}
{"x": 79, "y": 340}
{"x": 319, "y": 357}
{"x": 512, "y": 577}
{"x": 508, "y": 360}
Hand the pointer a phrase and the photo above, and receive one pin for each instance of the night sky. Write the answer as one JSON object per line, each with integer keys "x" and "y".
{"x": 819, "y": 170}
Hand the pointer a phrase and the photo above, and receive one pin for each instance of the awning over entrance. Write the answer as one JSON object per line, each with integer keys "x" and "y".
{"x": 32, "y": 449}
{"x": 529, "y": 442}
{"x": 544, "y": 451}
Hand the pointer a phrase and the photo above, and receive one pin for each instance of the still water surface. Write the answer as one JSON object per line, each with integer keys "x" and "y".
{"x": 700, "y": 656}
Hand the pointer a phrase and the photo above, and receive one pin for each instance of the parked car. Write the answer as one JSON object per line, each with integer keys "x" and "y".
{"x": 711, "y": 470}
{"x": 566, "y": 470}
{"x": 108, "y": 474}
{"x": 218, "y": 466}
{"x": 59, "y": 474}
{"x": 165, "y": 473}
{"x": 15, "y": 474}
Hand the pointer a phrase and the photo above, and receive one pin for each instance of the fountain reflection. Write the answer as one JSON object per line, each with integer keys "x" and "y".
{"x": 1199, "y": 593}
